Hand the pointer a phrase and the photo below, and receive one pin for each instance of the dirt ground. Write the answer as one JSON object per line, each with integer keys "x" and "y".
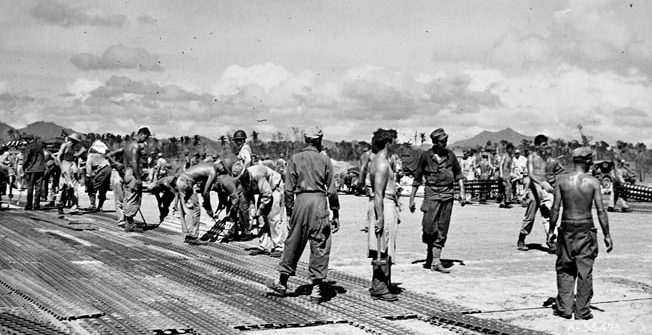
{"x": 488, "y": 273}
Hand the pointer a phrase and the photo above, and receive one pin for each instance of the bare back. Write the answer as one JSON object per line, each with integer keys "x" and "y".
{"x": 578, "y": 192}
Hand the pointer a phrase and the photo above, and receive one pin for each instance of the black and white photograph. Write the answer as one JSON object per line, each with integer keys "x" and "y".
{"x": 225, "y": 167}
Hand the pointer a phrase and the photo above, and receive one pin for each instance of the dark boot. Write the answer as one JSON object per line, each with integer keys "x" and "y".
{"x": 428, "y": 262}
{"x": 317, "y": 294}
{"x": 380, "y": 285}
{"x": 520, "y": 245}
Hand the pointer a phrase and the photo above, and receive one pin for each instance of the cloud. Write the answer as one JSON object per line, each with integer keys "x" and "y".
{"x": 118, "y": 57}
{"x": 595, "y": 35}
{"x": 81, "y": 88}
{"x": 147, "y": 20}
{"x": 63, "y": 15}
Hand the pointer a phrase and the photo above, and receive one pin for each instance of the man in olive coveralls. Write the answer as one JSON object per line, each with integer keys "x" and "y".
{"x": 309, "y": 183}
{"x": 577, "y": 245}
{"x": 440, "y": 170}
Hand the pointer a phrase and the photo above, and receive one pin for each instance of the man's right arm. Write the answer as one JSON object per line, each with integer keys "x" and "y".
{"x": 290, "y": 184}
{"x": 602, "y": 214}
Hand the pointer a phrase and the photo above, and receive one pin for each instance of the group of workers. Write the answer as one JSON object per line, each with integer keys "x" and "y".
{"x": 300, "y": 205}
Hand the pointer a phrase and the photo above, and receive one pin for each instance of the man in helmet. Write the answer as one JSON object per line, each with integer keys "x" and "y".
{"x": 244, "y": 156}
{"x": 66, "y": 158}
{"x": 309, "y": 190}
{"x": 133, "y": 158}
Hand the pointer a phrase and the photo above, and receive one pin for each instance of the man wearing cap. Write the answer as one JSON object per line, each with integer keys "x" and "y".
{"x": 542, "y": 171}
{"x": 200, "y": 176}
{"x": 577, "y": 246}
{"x": 133, "y": 159}
{"x": 98, "y": 174}
{"x": 440, "y": 170}
{"x": 66, "y": 158}
{"x": 34, "y": 167}
{"x": 309, "y": 190}
{"x": 268, "y": 185}
{"x": 244, "y": 155}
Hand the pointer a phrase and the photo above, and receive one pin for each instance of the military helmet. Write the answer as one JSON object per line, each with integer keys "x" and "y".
{"x": 239, "y": 134}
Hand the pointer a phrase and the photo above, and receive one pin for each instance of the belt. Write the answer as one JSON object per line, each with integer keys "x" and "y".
{"x": 574, "y": 225}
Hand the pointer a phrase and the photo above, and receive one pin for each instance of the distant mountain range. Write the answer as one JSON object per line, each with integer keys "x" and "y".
{"x": 49, "y": 130}
{"x": 42, "y": 129}
{"x": 507, "y": 134}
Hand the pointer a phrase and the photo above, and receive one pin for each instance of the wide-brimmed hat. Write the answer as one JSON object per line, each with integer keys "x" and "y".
{"x": 75, "y": 137}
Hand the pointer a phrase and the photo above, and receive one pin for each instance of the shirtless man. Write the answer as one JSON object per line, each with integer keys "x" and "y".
{"x": 132, "y": 182}
{"x": 577, "y": 246}
{"x": 542, "y": 169}
{"x": 66, "y": 159}
{"x": 384, "y": 220}
{"x": 203, "y": 175}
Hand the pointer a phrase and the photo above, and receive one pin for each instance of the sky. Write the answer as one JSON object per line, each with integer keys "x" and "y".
{"x": 348, "y": 67}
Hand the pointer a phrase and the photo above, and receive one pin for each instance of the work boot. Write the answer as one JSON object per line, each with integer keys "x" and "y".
{"x": 428, "y": 263}
{"x": 440, "y": 268}
{"x": 130, "y": 226}
{"x": 276, "y": 253}
{"x": 587, "y": 316}
{"x": 610, "y": 209}
{"x": 625, "y": 210}
{"x": 317, "y": 294}
{"x": 194, "y": 240}
{"x": 436, "y": 261}
{"x": 520, "y": 245}
{"x": 385, "y": 297}
{"x": 277, "y": 289}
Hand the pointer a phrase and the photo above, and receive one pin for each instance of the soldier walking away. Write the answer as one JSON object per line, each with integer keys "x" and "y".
{"x": 200, "y": 176}
{"x": 542, "y": 170}
{"x": 133, "y": 159}
{"x": 383, "y": 224}
{"x": 34, "y": 167}
{"x": 98, "y": 174}
{"x": 577, "y": 246}
{"x": 309, "y": 184}
{"x": 440, "y": 170}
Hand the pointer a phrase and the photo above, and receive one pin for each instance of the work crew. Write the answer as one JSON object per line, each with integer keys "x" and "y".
{"x": 577, "y": 245}
{"x": 133, "y": 159}
{"x": 440, "y": 170}
{"x": 200, "y": 176}
{"x": 34, "y": 167}
{"x": 542, "y": 170}
{"x": 268, "y": 185}
{"x": 383, "y": 223}
{"x": 309, "y": 190}
{"x": 98, "y": 174}
{"x": 66, "y": 158}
